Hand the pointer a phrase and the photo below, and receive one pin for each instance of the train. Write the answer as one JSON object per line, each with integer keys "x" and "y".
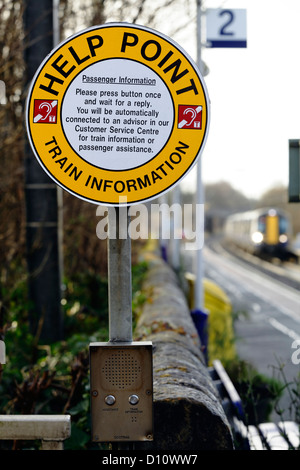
{"x": 266, "y": 232}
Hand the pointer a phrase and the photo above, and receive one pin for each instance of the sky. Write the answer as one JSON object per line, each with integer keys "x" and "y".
{"x": 255, "y": 98}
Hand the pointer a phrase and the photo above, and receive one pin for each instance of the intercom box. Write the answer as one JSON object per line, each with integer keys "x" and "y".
{"x": 121, "y": 382}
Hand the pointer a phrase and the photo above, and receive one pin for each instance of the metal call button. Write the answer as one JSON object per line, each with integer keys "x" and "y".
{"x": 110, "y": 400}
{"x": 134, "y": 399}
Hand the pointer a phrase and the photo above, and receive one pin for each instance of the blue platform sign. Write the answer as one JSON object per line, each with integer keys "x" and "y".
{"x": 226, "y": 27}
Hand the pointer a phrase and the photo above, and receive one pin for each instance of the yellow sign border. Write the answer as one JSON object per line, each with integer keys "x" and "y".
{"x": 118, "y": 41}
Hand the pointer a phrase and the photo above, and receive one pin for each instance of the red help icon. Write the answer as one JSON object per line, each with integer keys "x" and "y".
{"x": 189, "y": 116}
{"x": 45, "y": 111}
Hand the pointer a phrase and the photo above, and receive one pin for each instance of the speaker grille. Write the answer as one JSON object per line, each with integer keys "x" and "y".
{"x": 121, "y": 369}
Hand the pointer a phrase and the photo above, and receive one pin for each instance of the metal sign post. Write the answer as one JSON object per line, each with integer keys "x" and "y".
{"x": 117, "y": 110}
{"x": 226, "y": 27}
{"x": 119, "y": 275}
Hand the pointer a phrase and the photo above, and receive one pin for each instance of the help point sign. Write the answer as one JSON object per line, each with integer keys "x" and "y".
{"x": 116, "y": 112}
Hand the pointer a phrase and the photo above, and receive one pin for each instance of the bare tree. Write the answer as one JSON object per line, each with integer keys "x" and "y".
{"x": 12, "y": 240}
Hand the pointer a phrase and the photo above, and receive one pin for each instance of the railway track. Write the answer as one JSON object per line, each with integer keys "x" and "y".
{"x": 285, "y": 272}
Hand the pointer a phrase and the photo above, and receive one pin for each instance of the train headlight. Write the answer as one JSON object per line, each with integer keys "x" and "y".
{"x": 283, "y": 238}
{"x": 257, "y": 237}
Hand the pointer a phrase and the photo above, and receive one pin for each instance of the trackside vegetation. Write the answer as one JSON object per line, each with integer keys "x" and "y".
{"x": 54, "y": 378}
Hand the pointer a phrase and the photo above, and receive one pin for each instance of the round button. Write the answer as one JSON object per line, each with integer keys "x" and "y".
{"x": 133, "y": 399}
{"x": 110, "y": 400}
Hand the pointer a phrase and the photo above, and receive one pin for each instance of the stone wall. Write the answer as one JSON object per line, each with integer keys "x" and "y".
{"x": 187, "y": 409}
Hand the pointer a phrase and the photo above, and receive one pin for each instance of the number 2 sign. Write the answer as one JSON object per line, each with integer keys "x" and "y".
{"x": 226, "y": 28}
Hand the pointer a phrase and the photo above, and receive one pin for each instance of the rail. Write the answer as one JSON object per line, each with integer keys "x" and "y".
{"x": 52, "y": 430}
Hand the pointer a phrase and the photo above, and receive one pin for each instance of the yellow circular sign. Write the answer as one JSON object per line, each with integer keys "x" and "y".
{"x": 117, "y": 114}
